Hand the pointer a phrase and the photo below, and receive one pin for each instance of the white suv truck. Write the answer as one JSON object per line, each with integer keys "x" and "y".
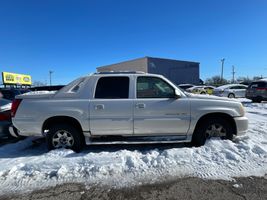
{"x": 125, "y": 107}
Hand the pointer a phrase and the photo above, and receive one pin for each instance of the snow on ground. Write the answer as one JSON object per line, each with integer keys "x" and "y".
{"x": 24, "y": 166}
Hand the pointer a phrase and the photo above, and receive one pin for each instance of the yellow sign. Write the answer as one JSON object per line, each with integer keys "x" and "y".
{"x": 18, "y": 79}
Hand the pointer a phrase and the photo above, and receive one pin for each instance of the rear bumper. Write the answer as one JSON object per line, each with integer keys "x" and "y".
{"x": 241, "y": 125}
{"x": 27, "y": 127}
{"x": 13, "y": 131}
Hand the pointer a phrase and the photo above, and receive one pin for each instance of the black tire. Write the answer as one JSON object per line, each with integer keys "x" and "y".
{"x": 231, "y": 95}
{"x": 257, "y": 100}
{"x": 200, "y": 134}
{"x": 73, "y": 139}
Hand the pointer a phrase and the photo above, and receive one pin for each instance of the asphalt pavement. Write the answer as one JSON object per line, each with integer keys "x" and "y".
{"x": 251, "y": 188}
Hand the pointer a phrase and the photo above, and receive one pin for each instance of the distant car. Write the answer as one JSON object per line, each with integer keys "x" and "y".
{"x": 201, "y": 89}
{"x": 185, "y": 86}
{"x": 257, "y": 91}
{"x": 5, "y": 117}
{"x": 230, "y": 91}
{"x": 10, "y": 93}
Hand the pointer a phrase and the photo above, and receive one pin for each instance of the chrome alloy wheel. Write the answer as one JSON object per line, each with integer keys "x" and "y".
{"x": 62, "y": 139}
{"x": 215, "y": 130}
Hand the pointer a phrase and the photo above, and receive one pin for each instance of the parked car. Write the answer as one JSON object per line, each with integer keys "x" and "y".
{"x": 5, "y": 117}
{"x": 185, "y": 86}
{"x": 257, "y": 91}
{"x": 125, "y": 107}
{"x": 230, "y": 91}
{"x": 10, "y": 93}
{"x": 201, "y": 89}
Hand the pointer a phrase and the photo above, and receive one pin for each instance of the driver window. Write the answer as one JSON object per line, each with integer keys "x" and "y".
{"x": 153, "y": 87}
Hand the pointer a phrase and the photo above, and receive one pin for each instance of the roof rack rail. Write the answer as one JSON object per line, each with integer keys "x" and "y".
{"x": 120, "y": 72}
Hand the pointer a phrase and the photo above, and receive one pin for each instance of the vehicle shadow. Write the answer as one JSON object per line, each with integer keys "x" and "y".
{"x": 130, "y": 147}
{"x": 30, "y": 146}
{"x": 36, "y": 146}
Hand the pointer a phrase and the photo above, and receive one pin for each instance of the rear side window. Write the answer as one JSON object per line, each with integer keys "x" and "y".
{"x": 112, "y": 88}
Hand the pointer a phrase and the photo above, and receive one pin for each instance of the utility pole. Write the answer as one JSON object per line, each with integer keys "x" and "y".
{"x": 233, "y": 73}
{"x": 50, "y": 77}
{"x": 222, "y": 60}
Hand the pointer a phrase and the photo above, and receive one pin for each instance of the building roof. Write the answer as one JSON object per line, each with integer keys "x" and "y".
{"x": 146, "y": 57}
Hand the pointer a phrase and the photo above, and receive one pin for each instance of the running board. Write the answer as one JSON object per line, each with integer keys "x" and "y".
{"x": 135, "y": 139}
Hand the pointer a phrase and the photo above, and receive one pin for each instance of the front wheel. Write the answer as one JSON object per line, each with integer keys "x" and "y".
{"x": 64, "y": 136}
{"x": 212, "y": 127}
{"x": 231, "y": 95}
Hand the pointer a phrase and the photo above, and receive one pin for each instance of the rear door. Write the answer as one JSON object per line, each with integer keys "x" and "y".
{"x": 241, "y": 91}
{"x": 157, "y": 111}
{"x": 111, "y": 109}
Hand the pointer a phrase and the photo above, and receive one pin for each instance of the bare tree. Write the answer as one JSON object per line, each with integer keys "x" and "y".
{"x": 216, "y": 81}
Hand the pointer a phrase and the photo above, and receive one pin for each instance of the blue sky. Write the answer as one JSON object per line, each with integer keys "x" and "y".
{"x": 73, "y": 37}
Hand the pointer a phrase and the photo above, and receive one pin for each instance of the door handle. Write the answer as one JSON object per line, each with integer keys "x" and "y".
{"x": 99, "y": 107}
{"x": 140, "y": 105}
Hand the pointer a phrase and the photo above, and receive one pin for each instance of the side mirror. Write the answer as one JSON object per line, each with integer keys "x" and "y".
{"x": 177, "y": 94}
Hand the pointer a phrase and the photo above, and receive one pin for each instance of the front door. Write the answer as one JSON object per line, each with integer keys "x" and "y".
{"x": 157, "y": 111}
{"x": 111, "y": 110}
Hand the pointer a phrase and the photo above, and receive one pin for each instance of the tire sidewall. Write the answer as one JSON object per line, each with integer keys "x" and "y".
{"x": 199, "y": 136}
{"x": 77, "y": 145}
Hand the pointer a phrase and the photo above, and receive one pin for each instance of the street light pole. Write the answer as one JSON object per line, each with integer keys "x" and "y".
{"x": 50, "y": 77}
{"x": 222, "y": 60}
{"x": 233, "y": 72}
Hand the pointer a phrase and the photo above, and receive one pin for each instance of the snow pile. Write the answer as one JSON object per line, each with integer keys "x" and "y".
{"x": 24, "y": 166}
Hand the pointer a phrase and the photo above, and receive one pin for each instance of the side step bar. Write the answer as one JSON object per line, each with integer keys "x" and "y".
{"x": 135, "y": 139}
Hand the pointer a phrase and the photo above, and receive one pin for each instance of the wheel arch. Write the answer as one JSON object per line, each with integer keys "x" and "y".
{"x": 225, "y": 116}
{"x": 231, "y": 93}
{"x": 63, "y": 120}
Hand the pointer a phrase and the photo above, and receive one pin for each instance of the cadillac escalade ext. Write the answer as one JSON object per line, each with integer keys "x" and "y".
{"x": 125, "y": 107}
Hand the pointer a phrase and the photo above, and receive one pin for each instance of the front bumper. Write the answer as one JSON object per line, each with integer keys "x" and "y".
{"x": 241, "y": 125}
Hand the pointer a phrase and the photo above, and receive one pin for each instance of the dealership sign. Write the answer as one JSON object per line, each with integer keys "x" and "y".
{"x": 16, "y": 79}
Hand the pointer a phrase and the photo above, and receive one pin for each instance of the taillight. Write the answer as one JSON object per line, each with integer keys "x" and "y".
{"x": 4, "y": 116}
{"x": 14, "y": 107}
{"x": 261, "y": 89}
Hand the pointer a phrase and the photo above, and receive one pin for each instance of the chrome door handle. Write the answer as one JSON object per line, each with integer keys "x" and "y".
{"x": 99, "y": 107}
{"x": 140, "y": 105}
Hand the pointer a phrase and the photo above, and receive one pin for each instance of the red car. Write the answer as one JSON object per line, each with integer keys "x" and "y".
{"x": 5, "y": 117}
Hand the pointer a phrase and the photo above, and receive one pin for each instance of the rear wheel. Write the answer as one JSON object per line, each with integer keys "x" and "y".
{"x": 212, "y": 127}
{"x": 257, "y": 100}
{"x": 231, "y": 95}
{"x": 64, "y": 136}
